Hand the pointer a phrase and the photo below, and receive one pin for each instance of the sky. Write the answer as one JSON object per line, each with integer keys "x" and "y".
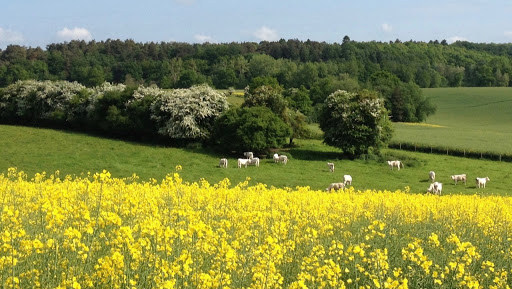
{"x": 37, "y": 23}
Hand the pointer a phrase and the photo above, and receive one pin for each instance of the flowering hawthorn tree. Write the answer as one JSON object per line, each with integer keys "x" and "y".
{"x": 188, "y": 113}
{"x": 357, "y": 123}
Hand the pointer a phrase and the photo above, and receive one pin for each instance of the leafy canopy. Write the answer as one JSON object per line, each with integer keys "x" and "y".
{"x": 250, "y": 128}
{"x": 357, "y": 123}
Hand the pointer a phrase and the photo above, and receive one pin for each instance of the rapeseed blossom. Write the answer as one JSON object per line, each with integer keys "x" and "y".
{"x": 102, "y": 232}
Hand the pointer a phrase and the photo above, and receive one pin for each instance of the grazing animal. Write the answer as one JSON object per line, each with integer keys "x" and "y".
{"x": 223, "y": 163}
{"x": 435, "y": 188}
{"x": 480, "y": 182}
{"x": 331, "y": 167}
{"x": 276, "y": 158}
{"x": 432, "y": 176}
{"x": 243, "y": 162}
{"x": 396, "y": 163}
{"x": 249, "y": 155}
{"x": 461, "y": 177}
{"x": 347, "y": 180}
{"x": 255, "y": 161}
{"x": 281, "y": 159}
{"x": 335, "y": 186}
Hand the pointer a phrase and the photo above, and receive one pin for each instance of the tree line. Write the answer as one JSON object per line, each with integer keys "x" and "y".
{"x": 357, "y": 123}
{"x": 293, "y": 63}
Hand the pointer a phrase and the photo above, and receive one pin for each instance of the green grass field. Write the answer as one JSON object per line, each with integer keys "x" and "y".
{"x": 476, "y": 118}
{"x": 35, "y": 150}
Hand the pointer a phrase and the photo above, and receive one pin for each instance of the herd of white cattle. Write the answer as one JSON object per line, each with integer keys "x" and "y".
{"x": 250, "y": 159}
{"x": 435, "y": 187}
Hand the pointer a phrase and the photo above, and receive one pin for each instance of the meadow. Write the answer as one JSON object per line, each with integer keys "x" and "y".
{"x": 34, "y": 150}
{"x": 471, "y": 118}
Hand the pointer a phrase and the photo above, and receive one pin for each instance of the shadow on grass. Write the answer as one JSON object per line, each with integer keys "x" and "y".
{"x": 310, "y": 155}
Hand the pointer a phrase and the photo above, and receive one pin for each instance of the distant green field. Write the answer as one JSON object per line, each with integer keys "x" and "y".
{"x": 36, "y": 150}
{"x": 477, "y": 119}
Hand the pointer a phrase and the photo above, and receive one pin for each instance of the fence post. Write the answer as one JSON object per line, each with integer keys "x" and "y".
{"x": 464, "y": 152}
{"x": 414, "y": 147}
{"x": 481, "y": 155}
{"x": 500, "y": 157}
{"x": 400, "y": 146}
{"x": 446, "y": 151}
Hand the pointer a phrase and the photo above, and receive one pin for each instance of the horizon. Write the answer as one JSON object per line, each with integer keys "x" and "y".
{"x": 35, "y": 24}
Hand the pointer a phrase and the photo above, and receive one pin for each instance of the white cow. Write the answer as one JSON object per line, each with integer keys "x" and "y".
{"x": 432, "y": 176}
{"x": 249, "y": 155}
{"x": 335, "y": 186}
{"x": 480, "y": 182}
{"x": 255, "y": 161}
{"x": 397, "y": 164}
{"x": 461, "y": 177}
{"x": 223, "y": 163}
{"x": 282, "y": 159}
{"x": 347, "y": 180}
{"x": 435, "y": 188}
{"x": 276, "y": 158}
{"x": 331, "y": 167}
{"x": 243, "y": 162}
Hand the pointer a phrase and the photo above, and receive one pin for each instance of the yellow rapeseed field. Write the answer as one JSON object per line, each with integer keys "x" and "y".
{"x": 96, "y": 231}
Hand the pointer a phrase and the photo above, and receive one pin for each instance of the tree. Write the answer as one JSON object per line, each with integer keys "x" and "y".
{"x": 267, "y": 96}
{"x": 357, "y": 122}
{"x": 264, "y": 81}
{"x": 188, "y": 114}
{"x": 250, "y": 128}
{"x": 298, "y": 99}
{"x": 404, "y": 101}
{"x": 297, "y": 122}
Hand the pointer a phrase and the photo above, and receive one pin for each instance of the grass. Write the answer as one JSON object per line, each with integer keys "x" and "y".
{"x": 236, "y": 98}
{"x": 35, "y": 150}
{"x": 476, "y": 118}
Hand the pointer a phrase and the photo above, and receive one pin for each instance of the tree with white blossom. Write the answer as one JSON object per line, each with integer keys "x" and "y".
{"x": 188, "y": 114}
{"x": 357, "y": 123}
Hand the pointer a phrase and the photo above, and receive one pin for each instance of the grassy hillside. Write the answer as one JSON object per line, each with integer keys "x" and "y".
{"x": 35, "y": 150}
{"x": 476, "y": 118}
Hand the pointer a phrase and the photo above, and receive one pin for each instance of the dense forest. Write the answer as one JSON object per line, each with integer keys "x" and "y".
{"x": 293, "y": 63}
{"x": 305, "y": 72}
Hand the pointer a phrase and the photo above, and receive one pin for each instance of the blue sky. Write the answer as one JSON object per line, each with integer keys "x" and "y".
{"x": 38, "y": 23}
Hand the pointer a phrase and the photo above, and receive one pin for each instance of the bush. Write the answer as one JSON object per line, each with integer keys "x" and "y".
{"x": 36, "y": 102}
{"x": 188, "y": 114}
{"x": 256, "y": 129}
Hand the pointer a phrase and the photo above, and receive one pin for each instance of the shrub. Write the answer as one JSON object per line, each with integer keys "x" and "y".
{"x": 256, "y": 128}
{"x": 188, "y": 113}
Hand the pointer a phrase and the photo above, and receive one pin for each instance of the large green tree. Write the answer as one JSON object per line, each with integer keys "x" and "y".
{"x": 404, "y": 100}
{"x": 356, "y": 122}
{"x": 250, "y": 128}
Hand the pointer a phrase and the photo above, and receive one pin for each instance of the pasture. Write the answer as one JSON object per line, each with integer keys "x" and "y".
{"x": 35, "y": 150}
{"x": 472, "y": 118}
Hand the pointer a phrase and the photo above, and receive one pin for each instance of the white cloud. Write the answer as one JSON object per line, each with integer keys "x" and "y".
{"x": 508, "y": 33}
{"x": 9, "y": 36}
{"x": 76, "y": 33}
{"x": 203, "y": 38}
{"x": 455, "y": 39}
{"x": 265, "y": 33}
{"x": 386, "y": 27}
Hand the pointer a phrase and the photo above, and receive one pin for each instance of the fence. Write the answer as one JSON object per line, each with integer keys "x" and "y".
{"x": 451, "y": 151}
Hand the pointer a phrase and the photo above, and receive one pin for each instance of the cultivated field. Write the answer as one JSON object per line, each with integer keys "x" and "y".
{"x": 476, "y": 118}
{"x": 101, "y": 232}
{"x": 36, "y": 150}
